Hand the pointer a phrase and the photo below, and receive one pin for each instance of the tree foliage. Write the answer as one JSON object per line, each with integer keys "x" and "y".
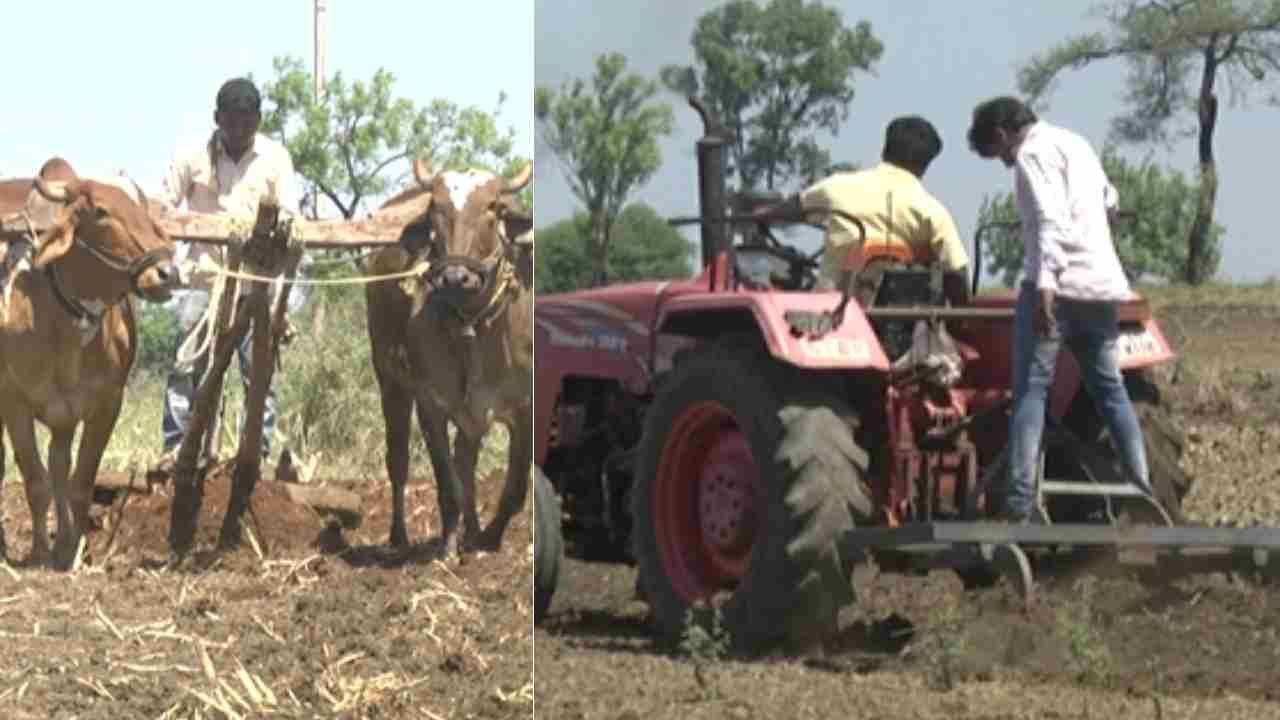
{"x": 1176, "y": 51}
{"x": 606, "y": 137}
{"x": 776, "y": 75}
{"x": 346, "y": 146}
{"x": 1150, "y": 244}
{"x": 644, "y": 247}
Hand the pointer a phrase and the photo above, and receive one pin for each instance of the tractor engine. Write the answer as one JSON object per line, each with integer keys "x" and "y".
{"x": 934, "y": 467}
{"x": 593, "y": 434}
{"x": 935, "y": 463}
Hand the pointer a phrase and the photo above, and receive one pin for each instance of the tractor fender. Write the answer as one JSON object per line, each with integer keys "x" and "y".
{"x": 1141, "y": 345}
{"x": 584, "y": 345}
{"x": 851, "y": 346}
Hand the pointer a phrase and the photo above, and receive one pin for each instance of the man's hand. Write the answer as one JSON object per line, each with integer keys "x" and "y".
{"x": 287, "y": 333}
{"x": 788, "y": 210}
{"x": 1044, "y": 320}
{"x": 955, "y": 287}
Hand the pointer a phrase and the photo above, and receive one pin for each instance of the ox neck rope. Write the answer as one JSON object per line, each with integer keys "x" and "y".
{"x": 495, "y": 293}
{"x": 89, "y": 319}
{"x": 497, "y": 290}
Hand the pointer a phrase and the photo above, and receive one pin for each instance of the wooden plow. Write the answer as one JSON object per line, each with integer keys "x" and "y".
{"x": 268, "y": 251}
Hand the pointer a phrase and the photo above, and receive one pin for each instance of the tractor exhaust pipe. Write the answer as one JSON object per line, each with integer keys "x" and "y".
{"x": 711, "y": 149}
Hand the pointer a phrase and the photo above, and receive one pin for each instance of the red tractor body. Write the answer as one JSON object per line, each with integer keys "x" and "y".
{"x": 744, "y": 442}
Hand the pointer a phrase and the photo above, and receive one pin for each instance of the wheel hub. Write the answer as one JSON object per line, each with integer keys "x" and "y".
{"x": 725, "y": 496}
{"x": 705, "y": 501}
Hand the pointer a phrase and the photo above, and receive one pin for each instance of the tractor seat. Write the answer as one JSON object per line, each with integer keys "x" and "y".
{"x": 886, "y": 281}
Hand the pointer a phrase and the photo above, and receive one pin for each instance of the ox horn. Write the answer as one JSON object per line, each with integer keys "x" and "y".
{"x": 422, "y": 173}
{"x": 521, "y": 179}
{"x": 142, "y": 197}
{"x": 69, "y": 190}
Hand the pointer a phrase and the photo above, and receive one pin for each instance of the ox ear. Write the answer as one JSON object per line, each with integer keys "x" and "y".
{"x": 56, "y": 241}
{"x": 516, "y": 223}
{"x": 416, "y": 236}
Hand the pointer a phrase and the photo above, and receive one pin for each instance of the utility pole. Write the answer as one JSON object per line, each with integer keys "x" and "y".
{"x": 318, "y": 74}
{"x": 312, "y": 196}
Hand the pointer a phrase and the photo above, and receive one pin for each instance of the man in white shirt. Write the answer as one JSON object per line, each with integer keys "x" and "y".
{"x": 1072, "y": 285}
{"x": 228, "y": 174}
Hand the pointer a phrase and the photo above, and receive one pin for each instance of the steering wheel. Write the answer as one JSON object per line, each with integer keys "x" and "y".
{"x": 803, "y": 267}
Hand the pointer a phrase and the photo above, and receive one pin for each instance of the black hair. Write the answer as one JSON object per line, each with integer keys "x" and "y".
{"x": 911, "y": 142}
{"x": 1002, "y": 113}
{"x": 239, "y": 94}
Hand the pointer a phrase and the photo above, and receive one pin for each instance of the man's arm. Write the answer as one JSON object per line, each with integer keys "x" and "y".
{"x": 287, "y": 184}
{"x": 1111, "y": 201}
{"x": 1048, "y": 197}
{"x": 290, "y": 203}
{"x": 789, "y": 210}
{"x": 949, "y": 250}
{"x": 177, "y": 182}
{"x": 955, "y": 286}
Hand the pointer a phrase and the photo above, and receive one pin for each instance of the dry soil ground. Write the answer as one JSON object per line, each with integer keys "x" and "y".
{"x": 1090, "y": 647}
{"x": 312, "y": 622}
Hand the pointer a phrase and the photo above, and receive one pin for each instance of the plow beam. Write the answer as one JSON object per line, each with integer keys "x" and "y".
{"x": 1160, "y": 554}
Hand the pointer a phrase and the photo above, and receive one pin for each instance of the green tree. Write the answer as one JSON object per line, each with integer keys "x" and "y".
{"x": 775, "y": 75}
{"x": 607, "y": 139}
{"x": 345, "y": 145}
{"x": 1176, "y": 52}
{"x": 1160, "y": 206}
{"x": 644, "y": 247}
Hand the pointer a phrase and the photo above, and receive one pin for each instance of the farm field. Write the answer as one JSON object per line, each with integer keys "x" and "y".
{"x": 322, "y": 623}
{"x": 1090, "y": 646}
{"x": 304, "y": 620}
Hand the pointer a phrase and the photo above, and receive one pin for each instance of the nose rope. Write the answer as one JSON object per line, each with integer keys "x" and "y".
{"x": 88, "y": 319}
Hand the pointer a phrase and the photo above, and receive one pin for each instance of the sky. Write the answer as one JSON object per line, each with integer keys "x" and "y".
{"x": 941, "y": 58}
{"x": 114, "y": 86}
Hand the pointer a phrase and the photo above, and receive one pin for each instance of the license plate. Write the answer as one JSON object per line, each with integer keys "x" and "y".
{"x": 1138, "y": 344}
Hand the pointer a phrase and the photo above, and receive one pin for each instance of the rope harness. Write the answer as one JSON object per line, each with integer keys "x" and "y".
{"x": 498, "y": 275}
{"x": 87, "y": 314}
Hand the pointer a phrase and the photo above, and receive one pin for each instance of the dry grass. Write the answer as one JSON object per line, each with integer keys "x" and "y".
{"x": 1263, "y": 296}
{"x": 183, "y": 641}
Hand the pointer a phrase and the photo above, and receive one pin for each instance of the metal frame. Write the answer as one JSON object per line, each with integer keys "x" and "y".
{"x": 1165, "y": 553}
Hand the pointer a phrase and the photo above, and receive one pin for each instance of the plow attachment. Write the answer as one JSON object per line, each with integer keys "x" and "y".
{"x": 1158, "y": 554}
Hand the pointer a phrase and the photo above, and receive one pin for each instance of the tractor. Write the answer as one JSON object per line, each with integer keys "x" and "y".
{"x": 745, "y": 438}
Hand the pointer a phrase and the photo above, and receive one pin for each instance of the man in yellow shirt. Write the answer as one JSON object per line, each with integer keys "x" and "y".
{"x": 904, "y": 222}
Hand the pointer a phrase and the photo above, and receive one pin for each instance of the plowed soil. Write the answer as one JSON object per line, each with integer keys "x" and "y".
{"x": 1090, "y": 645}
{"x": 305, "y": 620}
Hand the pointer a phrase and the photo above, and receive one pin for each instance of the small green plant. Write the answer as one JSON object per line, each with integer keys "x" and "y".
{"x": 1090, "y": 658}
{"x": 704, "y": 645}
{"x": 943, "y": 644}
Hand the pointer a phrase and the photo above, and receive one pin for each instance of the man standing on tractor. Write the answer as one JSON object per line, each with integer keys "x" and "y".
{"x": 1072, "y": 286}
{"x": 904, "y": 222}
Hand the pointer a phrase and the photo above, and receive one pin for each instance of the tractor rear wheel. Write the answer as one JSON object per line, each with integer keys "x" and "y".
{"x": 1163, "y": 439}
{"x": 747, "y": 479}
{"x": 548, "y": 544}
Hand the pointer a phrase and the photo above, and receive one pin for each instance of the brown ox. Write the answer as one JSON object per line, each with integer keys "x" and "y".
{"x": 68, "y": 338}
{"x": 460, "y": 348}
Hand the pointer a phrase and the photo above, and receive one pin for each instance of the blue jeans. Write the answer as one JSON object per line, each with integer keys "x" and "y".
{"x": 180, "y": 389}
{"x": 1090, "y": 331}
